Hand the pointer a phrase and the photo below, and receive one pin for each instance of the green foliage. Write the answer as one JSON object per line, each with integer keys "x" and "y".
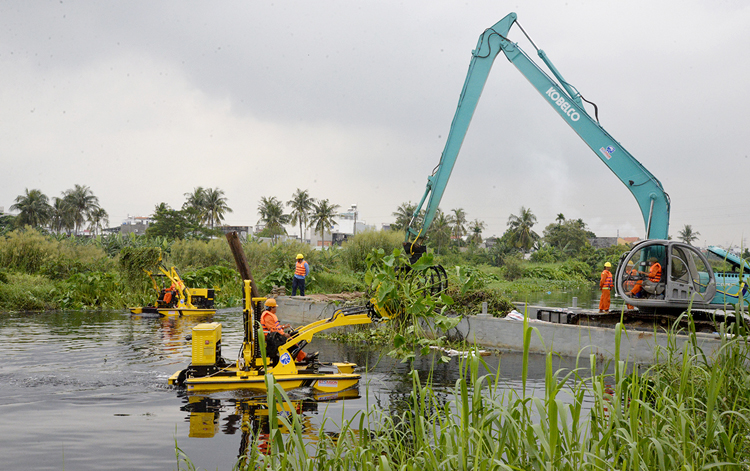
{"x": 114, "y": 243}
{"x": 210, "y": 277}
{"x": 546, "y": 254}
{"x": 469, "y": 301}
{"x": 278, "y": 277}
{"x": 354, "y": 251}
{"x": 26, "y": 250}
{"x": 70, "y": 257}
{"x": 513, "y": 265}
{"x": 175, "y": 224}
{"x": 89, "y": 290}
{"x": 24, "y": 292}
{"x": 134, "y": 260}
{"x": 401, "y": 295}
{"x": 337, "y": 282}
{"x": 195, "y": 253}
{"x": 568, "y": 237}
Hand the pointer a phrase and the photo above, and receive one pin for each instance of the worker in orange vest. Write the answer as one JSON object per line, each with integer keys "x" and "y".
{"x": 631, "y": 279}
{"x": 605, "y": 284}
{"x": 654, "y": 276}
{"x": 271, "y": 323}
{"x": 301, "y": 270}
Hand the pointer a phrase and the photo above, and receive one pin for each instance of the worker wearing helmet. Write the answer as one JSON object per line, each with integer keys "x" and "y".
{"x": 605, "y": 284}
{"x": 301, "y": 270}
{"x": 271, "y": 325}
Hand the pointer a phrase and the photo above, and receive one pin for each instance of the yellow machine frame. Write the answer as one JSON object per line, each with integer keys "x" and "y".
{"x": 250, "y": 368}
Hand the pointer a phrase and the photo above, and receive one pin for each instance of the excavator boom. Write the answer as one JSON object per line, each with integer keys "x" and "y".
{"x": 652, "y": 200}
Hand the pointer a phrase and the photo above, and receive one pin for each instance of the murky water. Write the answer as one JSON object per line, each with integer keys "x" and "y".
{"x": 87, "y": 390}
{"x": 586, "y": 298}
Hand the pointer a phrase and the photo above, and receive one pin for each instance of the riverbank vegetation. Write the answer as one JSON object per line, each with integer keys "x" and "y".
{"x": 44, "y": 271}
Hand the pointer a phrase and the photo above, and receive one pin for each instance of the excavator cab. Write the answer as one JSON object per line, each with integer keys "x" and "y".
{"x": 666, "y": 274}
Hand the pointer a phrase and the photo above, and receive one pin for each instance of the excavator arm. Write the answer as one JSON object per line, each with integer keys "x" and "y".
{"x": 568, "y": 103}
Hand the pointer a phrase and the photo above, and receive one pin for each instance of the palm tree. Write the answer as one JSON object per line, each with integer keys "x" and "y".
{"x": 34, "y": 207}
{"x": 440, "y": 229}
{"x": 560, "y": 218}
{"x": 215, "y": 205}
{"x": 322, "y": 217}
{"x": 476, "y": 227}
{"x": 272, "y": 214}
{"x": 688, "y": 236}
{"x": 521, "y": 235}
{"x": 459, "y": 223}
{"x": 62, "y": 217}
{"x": 301, "y": 204}
{"x": 82, "y": 202}
{"x": 403, "y": 215}
{"x": 196, "y": 204}
{"x": 98, "y": 219}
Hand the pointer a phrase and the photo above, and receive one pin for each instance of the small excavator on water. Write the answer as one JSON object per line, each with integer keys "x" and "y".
{"x": 687, "y": 278}
{"x": 208, "y": 371}
{"x": 174, "y": 298}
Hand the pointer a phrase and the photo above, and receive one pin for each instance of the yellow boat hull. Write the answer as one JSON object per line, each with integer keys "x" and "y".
{"x": 333, "y": 381}
{"x": 171, "y": 311}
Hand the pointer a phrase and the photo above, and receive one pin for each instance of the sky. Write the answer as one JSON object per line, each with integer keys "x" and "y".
{"x": 143, "y": 101}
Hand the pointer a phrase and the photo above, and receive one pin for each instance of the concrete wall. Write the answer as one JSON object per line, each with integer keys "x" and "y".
{"x": 507, "y": 335}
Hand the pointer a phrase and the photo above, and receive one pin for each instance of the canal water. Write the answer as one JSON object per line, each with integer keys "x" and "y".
{"x": 88, "y": 390}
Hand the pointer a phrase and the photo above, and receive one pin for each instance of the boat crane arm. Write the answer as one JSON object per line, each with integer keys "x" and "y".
{"x": 567, "y": 101}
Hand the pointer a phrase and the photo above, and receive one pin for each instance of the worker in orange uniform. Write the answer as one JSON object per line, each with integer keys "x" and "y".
{"x": 271, "y": 323}
{"x": 631, "y": 279}
{"x": 605, "y": 284}
{"x": 654, "y": 276}
{"x": 301, "y": 270}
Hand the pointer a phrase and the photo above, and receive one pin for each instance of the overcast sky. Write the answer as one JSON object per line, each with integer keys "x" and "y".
{"x": 143, "y": 101}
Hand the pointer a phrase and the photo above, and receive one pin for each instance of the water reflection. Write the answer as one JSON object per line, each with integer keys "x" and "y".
{"x": 249, "y": 418}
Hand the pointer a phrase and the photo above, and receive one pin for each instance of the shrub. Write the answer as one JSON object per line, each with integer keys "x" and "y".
{"x": 26, "y": 250}
{"x": 354, "y": 251}
{"x": 90, "y": 290}
{"x": 24, "y": 292}
{"x": 197, "y": 254}
{"x": 69, "y": 257}
{"x": 513, "y": 266}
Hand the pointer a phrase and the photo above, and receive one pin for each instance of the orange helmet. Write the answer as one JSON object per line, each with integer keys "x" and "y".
{"x": 270, "y": 302}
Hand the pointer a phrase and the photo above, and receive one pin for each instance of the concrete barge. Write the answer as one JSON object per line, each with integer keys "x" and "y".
{"x": 566, "y": 332}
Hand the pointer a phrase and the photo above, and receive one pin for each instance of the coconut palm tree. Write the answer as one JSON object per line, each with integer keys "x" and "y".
{"x": 61, "y": 217}
{"x": 272, "y": 214}
{"x": 98, "y": 218}
{"x": 459, "y": 223}
{"x": 440, "y": 230}
{"x": 560, "y": 218}
{"x": 34, "y": 207}
{"x": 476, "y": 227}
{"x": 215, "y": 206}
{"x": 403, "y": 215}
{"x": 322, "y": 217}
{"x": 82, "y": 202}
{"x": 301, "y": 204}
{"x": 195, "y": 204}
{"x": 521, "y": 235}
{"x": 688, "y": 236}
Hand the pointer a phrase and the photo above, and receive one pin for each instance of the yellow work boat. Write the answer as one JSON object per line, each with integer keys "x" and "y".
{"x": 209, "y": 372}
{"x": 176, "y": 299}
